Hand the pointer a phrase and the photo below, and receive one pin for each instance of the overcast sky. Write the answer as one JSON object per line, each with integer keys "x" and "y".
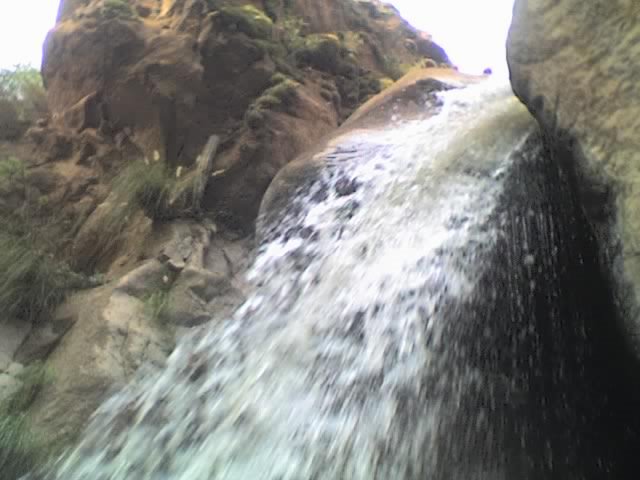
{"x": 23, "y": 26}
{"x": 473, "y": 32}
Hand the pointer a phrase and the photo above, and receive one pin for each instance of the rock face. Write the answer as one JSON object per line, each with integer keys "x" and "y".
{"x": 161, "y": 77}
{"x": 100, "y": 337}
{"x": 576, "y": 65}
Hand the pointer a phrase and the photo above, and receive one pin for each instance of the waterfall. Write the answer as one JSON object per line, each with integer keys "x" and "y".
{"x": 431, "y": 306}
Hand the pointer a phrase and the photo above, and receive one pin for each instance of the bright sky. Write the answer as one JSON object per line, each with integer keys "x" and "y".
{"x": 23, "y": 27}
{"x": 472, "y": 33}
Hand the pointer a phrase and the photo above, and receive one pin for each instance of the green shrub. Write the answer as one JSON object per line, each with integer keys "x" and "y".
{"x": 247, "y": 19}
{"x": 117, "y": 9}
{"x": 22, "y": 98}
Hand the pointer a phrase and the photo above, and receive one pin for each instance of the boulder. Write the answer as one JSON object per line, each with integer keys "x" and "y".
{"x": 576, "y": 65}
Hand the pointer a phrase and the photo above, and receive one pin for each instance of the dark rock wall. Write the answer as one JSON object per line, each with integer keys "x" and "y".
{"x": 545, "y": 329}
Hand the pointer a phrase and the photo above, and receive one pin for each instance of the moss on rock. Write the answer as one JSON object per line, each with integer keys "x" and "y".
{"x": 279, "y": 97}
{"x": 247, "y": 19}
{"x": 321, "y": 51}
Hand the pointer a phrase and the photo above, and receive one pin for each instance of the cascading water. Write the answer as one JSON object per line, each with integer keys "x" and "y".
{"x": 429, "y": 307}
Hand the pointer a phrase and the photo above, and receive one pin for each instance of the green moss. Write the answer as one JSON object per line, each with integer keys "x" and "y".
{"x": 291, "y": 29}
{"x": 274, "y": 49}
{"x": 278, "y": 78}
{"x": 117, "y": 9}
{"x": 248, "y": 20}
{"x": 279, "y": 97}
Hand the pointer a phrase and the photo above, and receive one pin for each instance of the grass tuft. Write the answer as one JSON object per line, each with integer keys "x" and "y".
{"x": 33, "y": 283}
{"x": 21, "y": 450}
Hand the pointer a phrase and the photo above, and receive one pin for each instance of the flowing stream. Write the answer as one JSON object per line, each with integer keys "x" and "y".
{"x": 430, "y": 307}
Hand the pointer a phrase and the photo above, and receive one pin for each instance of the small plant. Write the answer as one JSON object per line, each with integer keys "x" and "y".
{"x": 120, "y": 9}
{"x": 156, "y": 304}
{"x": 12, "y": 171}
{"x": 144, "y": 185}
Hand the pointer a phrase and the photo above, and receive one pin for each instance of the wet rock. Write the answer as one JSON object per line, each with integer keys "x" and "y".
{"x": 346, "y": 186}
{"x": 575, "y": 65}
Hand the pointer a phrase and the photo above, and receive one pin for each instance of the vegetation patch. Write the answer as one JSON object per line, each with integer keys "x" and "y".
{"x": 120, "y": 9}
{"x": 144, "y": 185}
{"x": 33, "y": 281}
{"x": 156, "y": 305}
{"x": 247, "y": 19}
{"x": 22, "y": 100}
{"x": 280, "y": 96}
{"x": 385, "y": 83}
{"x": 21, "y": 451}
